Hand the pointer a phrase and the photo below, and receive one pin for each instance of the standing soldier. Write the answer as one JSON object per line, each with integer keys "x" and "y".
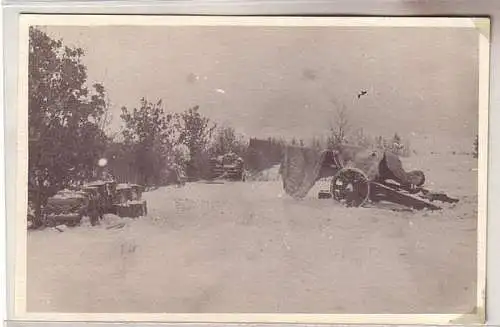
{"x": 93, "y": 206}
{"x": 93, "y": 210}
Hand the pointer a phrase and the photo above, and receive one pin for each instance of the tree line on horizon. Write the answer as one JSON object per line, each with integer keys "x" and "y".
{"x": 68, "y": 119}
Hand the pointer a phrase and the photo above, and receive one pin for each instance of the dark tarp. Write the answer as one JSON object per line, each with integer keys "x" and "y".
{"x": 300, "y": 169}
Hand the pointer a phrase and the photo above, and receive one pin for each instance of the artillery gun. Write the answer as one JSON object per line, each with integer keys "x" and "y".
{"x": 357, "y": 176}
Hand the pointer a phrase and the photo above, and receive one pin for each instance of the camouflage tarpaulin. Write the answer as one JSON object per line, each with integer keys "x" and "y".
{"x": 367, "y": 161}
{"x": 300, "y": 169}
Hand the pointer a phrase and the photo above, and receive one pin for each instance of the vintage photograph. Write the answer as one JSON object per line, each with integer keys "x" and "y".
{"x": 266, "y": 168}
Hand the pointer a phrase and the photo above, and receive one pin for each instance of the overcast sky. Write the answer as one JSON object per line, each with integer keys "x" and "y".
{"x": 421, "y": 82}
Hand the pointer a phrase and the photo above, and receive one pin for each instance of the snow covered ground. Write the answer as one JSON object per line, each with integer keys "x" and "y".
{"x": 247, "y": 247}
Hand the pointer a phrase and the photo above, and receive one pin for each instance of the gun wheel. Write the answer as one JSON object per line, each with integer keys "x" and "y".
{"x": 350, "y": 186}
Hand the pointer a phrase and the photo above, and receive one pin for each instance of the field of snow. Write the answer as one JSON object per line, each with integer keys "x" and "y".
{"x": 247, "y": 247}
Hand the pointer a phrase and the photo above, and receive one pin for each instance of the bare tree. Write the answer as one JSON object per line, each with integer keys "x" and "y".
{"x": 338, "y": 132}
{"x": 227, "y": 140}
{"x": 104, "y": 121}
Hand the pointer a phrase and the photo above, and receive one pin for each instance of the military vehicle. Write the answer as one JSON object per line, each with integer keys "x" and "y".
{"x": 228, "y": 166}
{"x": 66, "y": 207}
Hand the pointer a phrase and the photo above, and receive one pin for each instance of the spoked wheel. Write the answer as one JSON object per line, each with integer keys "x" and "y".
{"x": 351, "y": 187}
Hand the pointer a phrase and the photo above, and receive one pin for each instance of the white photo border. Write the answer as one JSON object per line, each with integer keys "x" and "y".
{"x": 18, "y": 309}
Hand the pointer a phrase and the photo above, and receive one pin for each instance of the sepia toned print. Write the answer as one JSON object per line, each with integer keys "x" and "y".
{"x": 254, "y": 169}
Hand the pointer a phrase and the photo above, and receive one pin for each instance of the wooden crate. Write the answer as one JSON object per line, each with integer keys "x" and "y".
{"x": 136, "y": 192}
{"x": 132, "y": 209}
{"x": 123, "y": 194}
